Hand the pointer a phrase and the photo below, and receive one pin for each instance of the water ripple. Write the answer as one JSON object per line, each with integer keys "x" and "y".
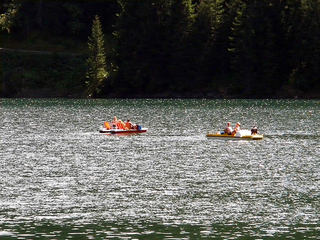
{"x": 62, "y": 179}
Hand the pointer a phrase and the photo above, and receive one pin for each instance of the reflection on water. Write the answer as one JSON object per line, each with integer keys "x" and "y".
{"x": 146, "y": 230}
{"x": 61, "y": 179}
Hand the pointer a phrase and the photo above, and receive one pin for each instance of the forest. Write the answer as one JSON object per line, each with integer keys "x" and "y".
{"x": 162, "y": 48}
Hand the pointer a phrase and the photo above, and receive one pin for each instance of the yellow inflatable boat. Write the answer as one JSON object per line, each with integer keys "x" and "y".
{"x": 242, "y": 134}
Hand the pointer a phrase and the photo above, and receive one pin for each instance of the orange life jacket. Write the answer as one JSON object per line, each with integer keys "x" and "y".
{"x": 107, "y": 125}
{"x": 128, "y": 125}
{"x": 120, "y": 125}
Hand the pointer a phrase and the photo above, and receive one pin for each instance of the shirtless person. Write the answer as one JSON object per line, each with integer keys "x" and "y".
{"x": 228, "y": 129}
{"x": 236, "y": 129}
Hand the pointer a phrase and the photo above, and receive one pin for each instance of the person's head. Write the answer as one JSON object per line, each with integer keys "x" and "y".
{"x": 228, "y": 124}
{"x": 115, "y": 118}
{"x": 128, "y": 120}
{"x": 238, "y": 124}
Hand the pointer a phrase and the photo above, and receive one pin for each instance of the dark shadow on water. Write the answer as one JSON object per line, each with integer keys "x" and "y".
{"x": 151, "y": 230}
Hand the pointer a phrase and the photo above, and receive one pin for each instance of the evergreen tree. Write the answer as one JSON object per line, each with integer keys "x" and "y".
{"x": 254, "y": 47}
{"x": 180, "y": 64}
{"x": 166, "y": 47}
{"x": 209, "y": 44}
{"x": 138, "y": 33}
{"x": 152, "y": 44}
{"x": 305, "y": 50}
{"x": 240, "y": 48}
{"x": 96, "y": 72}
{"x": 7, "y": 18}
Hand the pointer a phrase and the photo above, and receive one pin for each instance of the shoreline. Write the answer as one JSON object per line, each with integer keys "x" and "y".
{"x": 170, "y": 97}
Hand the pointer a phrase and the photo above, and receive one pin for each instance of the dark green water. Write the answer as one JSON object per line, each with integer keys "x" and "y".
{"x": 61, "y": 179}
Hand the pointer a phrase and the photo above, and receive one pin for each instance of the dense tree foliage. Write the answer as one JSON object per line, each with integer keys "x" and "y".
{"x": 96, "y": 62}
{"x": 243, "y": 48}
{"x": 8, "y": 15}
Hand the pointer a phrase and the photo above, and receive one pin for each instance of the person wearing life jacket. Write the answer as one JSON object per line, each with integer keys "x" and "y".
{"x": 121, "y": 124}
{"x": 236, "y": 129}
{"x": 129, "y": 125}
{"x": 228, "y": 129}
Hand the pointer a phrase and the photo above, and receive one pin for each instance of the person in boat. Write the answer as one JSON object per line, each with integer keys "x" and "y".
{"x": 121, "y": 124}
{"x": 228, "y": 129}
{"x": 114, "y": 122}
{"x": 236, "y": 129}
{"x": 254, "y": 130}
{"x": 129, "y": 124}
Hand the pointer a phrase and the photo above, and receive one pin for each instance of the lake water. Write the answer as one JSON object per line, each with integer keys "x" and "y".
{"x": 62, "y": 179}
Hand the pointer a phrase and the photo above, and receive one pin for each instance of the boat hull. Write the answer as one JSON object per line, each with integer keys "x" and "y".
{"x": 120, "y": 131}
{"x": 246, "y": 137}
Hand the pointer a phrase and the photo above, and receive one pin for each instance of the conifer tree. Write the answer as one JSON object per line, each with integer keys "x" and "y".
{"x": 96, "y": 62}
{"x": 8, "y": 17}
{"x": 304, "y": 53}
{"x": 253, "y": 47}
